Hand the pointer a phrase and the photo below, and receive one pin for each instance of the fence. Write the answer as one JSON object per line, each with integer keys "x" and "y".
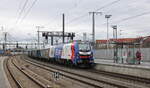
{"x": 108, "y": 54}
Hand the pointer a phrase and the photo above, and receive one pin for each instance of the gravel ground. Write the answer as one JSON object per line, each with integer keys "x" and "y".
{"x": 117, "y": 80}
{"x": 63, "y": 82}
{"x": 25, "y": 81}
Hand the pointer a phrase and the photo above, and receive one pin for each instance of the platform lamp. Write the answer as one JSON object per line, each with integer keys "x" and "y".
{"x": 116, "y": 47}
{"x": 107, "y": 17}
{"x": 114, "y": 31}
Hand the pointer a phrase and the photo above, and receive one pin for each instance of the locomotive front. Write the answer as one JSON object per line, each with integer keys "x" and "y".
{"x": 85, "y": 54}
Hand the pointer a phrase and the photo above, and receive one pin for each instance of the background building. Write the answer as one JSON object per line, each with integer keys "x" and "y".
{"x": 144, "y": 41}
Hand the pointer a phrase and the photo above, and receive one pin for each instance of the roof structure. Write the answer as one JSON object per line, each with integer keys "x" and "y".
{"x": 120, "y": 40}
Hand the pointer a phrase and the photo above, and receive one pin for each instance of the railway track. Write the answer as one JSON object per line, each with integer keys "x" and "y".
{"x": 17, "y": 83}
{"x": 20, "y": 84}
{"x": 22, "y": 77}
{"x": 115, "y": 80}
{"x": 90, "y": 80}
{"x": 127, "y": 77}
{"x": 89, "y": 77}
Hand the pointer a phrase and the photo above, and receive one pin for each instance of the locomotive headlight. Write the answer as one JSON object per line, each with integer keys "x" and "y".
{"x": 84, "y": 53}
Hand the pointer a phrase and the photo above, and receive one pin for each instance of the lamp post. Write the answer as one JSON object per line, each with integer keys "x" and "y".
{"x": 107, "y": 17}
{"x": 115, "y": 41}
{"x": 114, "y": 31}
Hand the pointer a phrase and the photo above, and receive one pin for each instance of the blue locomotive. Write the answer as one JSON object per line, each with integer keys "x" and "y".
{"x": 75, "y": 53}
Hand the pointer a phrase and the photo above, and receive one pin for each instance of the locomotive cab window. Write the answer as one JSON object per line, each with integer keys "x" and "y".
{"x": 84, "y": 47}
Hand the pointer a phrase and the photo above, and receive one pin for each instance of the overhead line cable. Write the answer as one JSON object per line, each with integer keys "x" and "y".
{"x": 23, "y": 8}
{"x": 67, "y": 11}
{"x": 34, "y": 2}
{"x": 18, "y": 10}
{"x": 107, "y": 5}
{"x": 132, "y": 17}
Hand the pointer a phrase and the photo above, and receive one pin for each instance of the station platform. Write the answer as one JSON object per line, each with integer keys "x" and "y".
{"x": 144, "y": 65}
{"x": 3, "y": 79}
{"x": 139, "y": 70}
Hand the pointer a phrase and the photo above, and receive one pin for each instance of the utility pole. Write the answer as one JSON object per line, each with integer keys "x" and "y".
{"x": 38, "y": 28}
{"x": 5, "y": 37}
{"x": 52, "y": 39}
{"x": 84, "y": 37}
{"x": 2, "y": 30}
{"x": 5, "y": 40}
{"x": 63, "y": 26}
{"x": 93, "y": 25}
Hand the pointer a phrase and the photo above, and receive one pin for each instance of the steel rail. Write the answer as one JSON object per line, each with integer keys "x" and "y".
{"x": 89, "y": 83}
{"x": 12, "y": 75}
{"x": 123, "y": 76}
{"x": 30, "y": 77}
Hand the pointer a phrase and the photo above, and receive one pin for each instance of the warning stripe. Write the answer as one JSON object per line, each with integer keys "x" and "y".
{"x": 73, "y": 52}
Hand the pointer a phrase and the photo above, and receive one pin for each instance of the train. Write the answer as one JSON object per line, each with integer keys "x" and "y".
{"x": 74, "y": 54}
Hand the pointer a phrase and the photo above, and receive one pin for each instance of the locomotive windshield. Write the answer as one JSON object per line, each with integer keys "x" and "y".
{"x": 84, "y": 47}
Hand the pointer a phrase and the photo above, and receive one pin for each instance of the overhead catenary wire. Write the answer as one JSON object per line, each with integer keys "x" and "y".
{"x": 18, "y": 10}
{"x": 84, "y": 15}
{"x": 15, "y": 37}
{"x": 132, "y": 17}
{"x": 34, "y": 2}
{"x": 129, "y": 18}
{"x": 107, "y": 5}
{"x": 67, "y": 11}
{"x": 78, "y": 18}
{"x": 22, "y": 10}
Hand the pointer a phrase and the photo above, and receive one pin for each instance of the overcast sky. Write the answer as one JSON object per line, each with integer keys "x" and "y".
{"x": 19, "y": 17}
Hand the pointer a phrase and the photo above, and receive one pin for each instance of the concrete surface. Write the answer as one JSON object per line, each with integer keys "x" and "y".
{"x": 3, "y": 79}
{"x": 142, "y": 70}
